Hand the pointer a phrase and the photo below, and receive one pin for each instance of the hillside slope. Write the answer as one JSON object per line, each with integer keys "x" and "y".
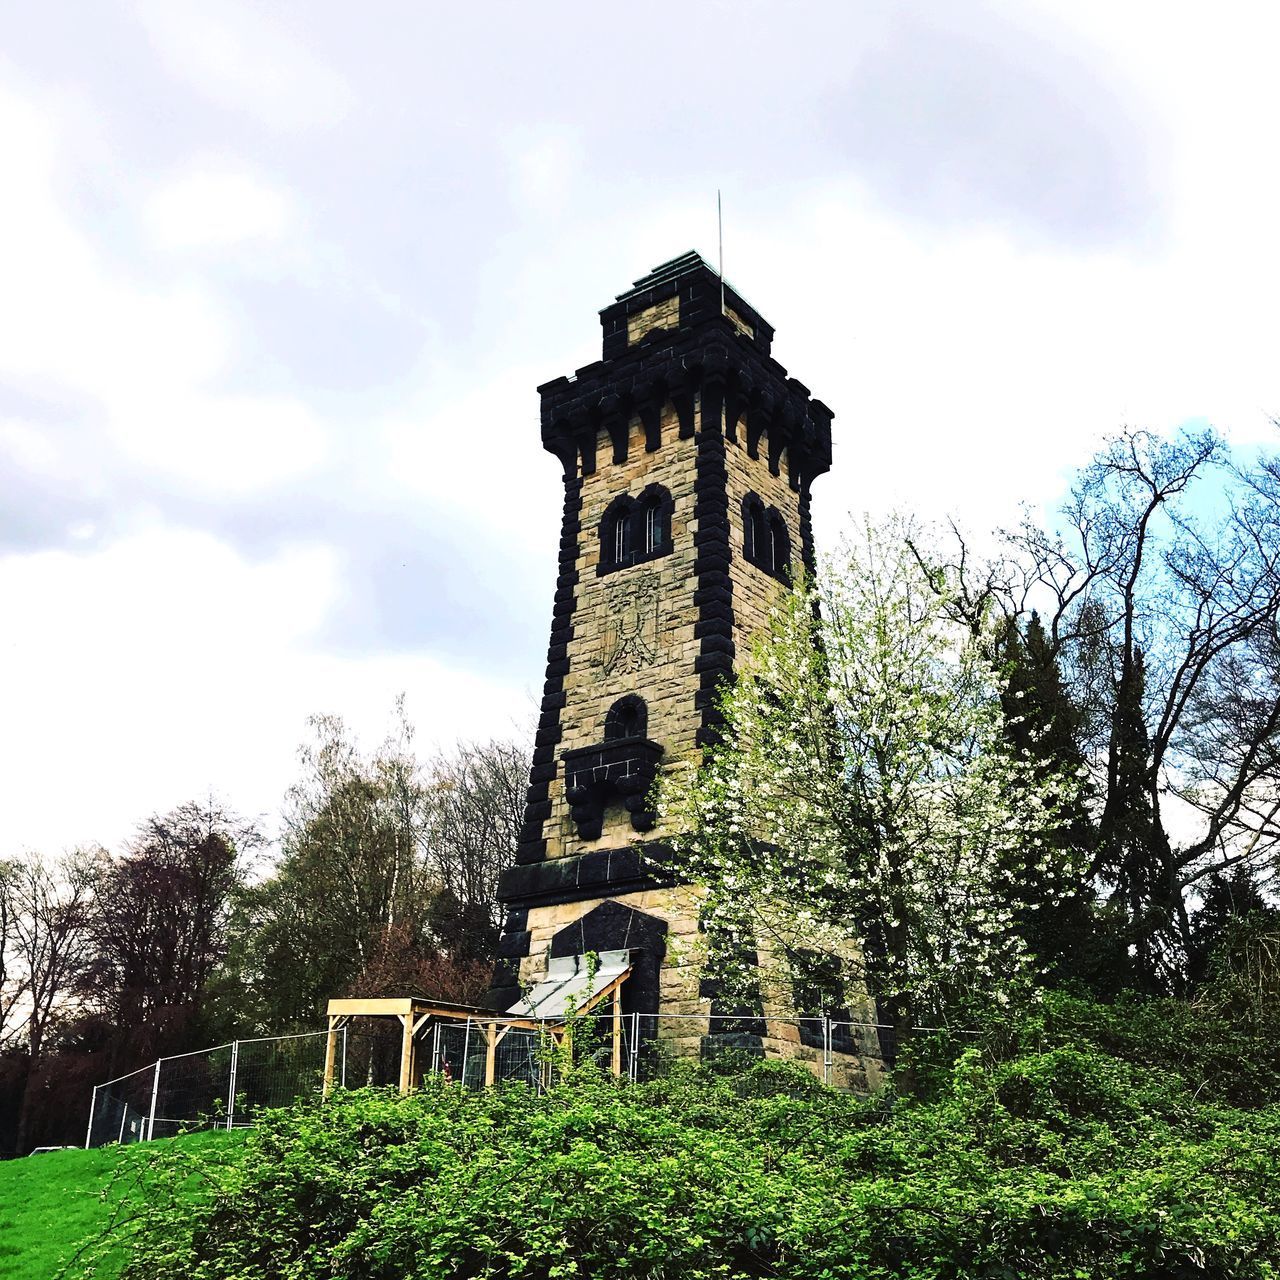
{"x": 53, "y": 1204}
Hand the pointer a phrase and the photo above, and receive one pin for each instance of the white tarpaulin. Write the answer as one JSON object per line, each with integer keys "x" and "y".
{"x": 570, "y": 981}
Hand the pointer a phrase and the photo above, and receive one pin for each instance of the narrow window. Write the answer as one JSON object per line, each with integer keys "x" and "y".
{"x": 760, "y": 549}
{"x": 780, "y": 546}
{"x": 654, "y": 531}
{"x": 621, "y": 537}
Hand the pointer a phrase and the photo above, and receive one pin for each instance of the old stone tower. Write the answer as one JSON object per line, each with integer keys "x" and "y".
{"x": 688, "y": 456}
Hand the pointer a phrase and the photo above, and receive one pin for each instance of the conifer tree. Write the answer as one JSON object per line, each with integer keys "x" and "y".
{"x": 1042, "y": 724}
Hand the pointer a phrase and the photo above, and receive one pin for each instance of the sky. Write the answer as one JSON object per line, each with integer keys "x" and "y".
{"x": 278, "y": 283}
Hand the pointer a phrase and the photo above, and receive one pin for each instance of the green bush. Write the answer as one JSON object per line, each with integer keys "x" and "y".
{"x": 1222, "y": 1058}
{"x": 1066, "y": 1163}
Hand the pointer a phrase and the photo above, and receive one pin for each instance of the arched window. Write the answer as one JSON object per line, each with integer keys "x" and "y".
{"x": 654, "y": 533}
{"x": 635, "y": 529}
{"x": 755, "y": 538}
{"x": 627, "y": 718}
{"x": 765, "y": 541}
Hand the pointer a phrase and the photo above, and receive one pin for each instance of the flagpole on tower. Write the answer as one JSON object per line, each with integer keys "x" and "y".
{"x": 720, "y": 233}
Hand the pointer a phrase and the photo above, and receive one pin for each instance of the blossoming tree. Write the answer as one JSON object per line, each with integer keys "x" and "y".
{"x": 865, "y": 805}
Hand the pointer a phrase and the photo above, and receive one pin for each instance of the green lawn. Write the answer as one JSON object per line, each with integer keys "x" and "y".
{"x": 51, "y": 1204}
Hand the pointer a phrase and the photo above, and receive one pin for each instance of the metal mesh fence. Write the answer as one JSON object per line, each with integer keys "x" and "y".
{"x": 122, "y": 1108}
{"x": 274, "y": 1072}
{"x": 206, "y": 1089}
{"x": 232, "y": 1084}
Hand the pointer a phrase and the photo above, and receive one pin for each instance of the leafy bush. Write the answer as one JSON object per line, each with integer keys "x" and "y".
{"x": 1065, "y": 1163}
{"x": 1221, "y": 1057}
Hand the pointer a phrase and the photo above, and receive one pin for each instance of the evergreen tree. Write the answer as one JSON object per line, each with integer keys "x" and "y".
{"x": 1042, "y": 723}
{"x": 1133, "y": 856}
{"x": 1229, "y": 898}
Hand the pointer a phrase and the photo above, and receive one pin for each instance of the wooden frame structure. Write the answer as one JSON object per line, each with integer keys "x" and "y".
{"x": 413, "y": 1013}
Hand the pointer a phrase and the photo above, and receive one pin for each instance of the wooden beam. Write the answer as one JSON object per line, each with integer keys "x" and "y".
{"x": 330, "y": 1055}
{"x": 406, "y": 1053}
{"x": 370, "y": 1008}
{"x": 490, "y": 1052}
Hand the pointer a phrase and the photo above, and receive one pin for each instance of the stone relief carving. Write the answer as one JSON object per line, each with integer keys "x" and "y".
{"x": 630, "y": 634}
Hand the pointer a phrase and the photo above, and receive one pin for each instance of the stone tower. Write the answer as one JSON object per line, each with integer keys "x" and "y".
{"x": 688, "y": 455}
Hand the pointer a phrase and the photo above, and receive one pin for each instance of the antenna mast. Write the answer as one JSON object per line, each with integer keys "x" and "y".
{"x": 720, "y": 231}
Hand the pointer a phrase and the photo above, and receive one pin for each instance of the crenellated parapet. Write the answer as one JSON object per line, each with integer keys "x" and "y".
{"x": 692, "y": 354}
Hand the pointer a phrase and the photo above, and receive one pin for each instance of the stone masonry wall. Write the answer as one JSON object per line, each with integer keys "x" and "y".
{"x": 633, "y": 628}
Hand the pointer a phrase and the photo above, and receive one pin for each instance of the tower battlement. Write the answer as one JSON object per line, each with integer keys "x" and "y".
{"x": 665, "y": 339}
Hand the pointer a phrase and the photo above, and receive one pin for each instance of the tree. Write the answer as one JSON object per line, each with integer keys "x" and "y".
{"x": 1159, "y": 589}
{"x": 475, "y": 806}
{"x": 1228, "y": 900}
{"x": 388, "y": 872}
{"x": 1054, "y": 905}
{"x": 864, "y": 787}
{"x": 48, "y": 909}
{"x": 160, "y": 928}
{"x": 350, "y": 876}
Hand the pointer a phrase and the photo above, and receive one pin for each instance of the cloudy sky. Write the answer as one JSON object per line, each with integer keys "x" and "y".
{"x": 278, "y": 280}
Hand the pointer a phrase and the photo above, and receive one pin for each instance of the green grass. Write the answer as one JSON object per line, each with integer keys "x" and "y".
{"x": 52, "y": 1204}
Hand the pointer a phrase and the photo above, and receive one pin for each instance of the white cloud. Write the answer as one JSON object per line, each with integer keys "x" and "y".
{"x": 142, "y": 357}
{"x": 166, "y": 666}
{"x": 243, "y": 61}
{"x": 215, "y": 206}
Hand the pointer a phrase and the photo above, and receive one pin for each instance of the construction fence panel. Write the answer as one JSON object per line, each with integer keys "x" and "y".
{"x": 192, "y": 1092}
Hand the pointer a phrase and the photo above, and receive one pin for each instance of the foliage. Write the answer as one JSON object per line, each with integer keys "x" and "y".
{"x": 1219, "y": 1053}
{"x": 387, "y": 874}
{"x": 1063, "y": 1163}
{"x": 1043, "y": 723}
{"x": 1159, "y": 584}
{"x": 865, "y": 785}
{"x": 161, "y": 928}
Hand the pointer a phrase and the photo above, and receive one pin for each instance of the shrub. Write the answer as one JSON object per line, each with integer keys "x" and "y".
{"x": 1059, "y": 1164}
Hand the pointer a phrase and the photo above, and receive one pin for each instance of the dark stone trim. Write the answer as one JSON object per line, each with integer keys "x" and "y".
{"x": 614, "y": 926}
{"x": 531, "y": 846}
{"x": 620, "y": 767}
{"x": 600, "y": 874}
{"x": 713, "y": 592}
{"x": 808, "y": 556}
{"x": 674, "y": 364}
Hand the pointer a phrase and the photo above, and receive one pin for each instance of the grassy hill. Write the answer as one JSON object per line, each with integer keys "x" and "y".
{"x": 54, "y": 1203}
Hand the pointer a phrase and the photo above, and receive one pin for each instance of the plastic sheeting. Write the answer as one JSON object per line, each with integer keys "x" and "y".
{"x": 570, "y": 983}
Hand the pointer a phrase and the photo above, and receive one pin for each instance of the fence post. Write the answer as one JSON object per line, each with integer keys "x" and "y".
{"x": 344, "y": 1057}
{"x": 435, "y": 1050}
{"x": 466, "y": 1044}
{"x": 93, "y": 1106}
{"x": 231, "y": 1084}
{"x": 827, "y": 1064}
{"x": 155, "y": 1090}
{"x": 635, "y": 1046}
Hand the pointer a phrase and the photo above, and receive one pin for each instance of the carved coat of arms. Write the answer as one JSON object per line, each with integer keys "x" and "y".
{"x": 630, "y": 634}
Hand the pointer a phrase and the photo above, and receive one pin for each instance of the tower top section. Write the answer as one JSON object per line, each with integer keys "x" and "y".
{"x": 682, "y": 294}
{"x": 676, "y": 335}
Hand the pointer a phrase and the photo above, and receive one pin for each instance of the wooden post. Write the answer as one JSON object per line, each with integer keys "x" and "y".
{"x": 490, "y": 1052}
{"x": 617, "y": 1030}
{"x": 406, "y": 1053}
{"x": 330, "y": 1056}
